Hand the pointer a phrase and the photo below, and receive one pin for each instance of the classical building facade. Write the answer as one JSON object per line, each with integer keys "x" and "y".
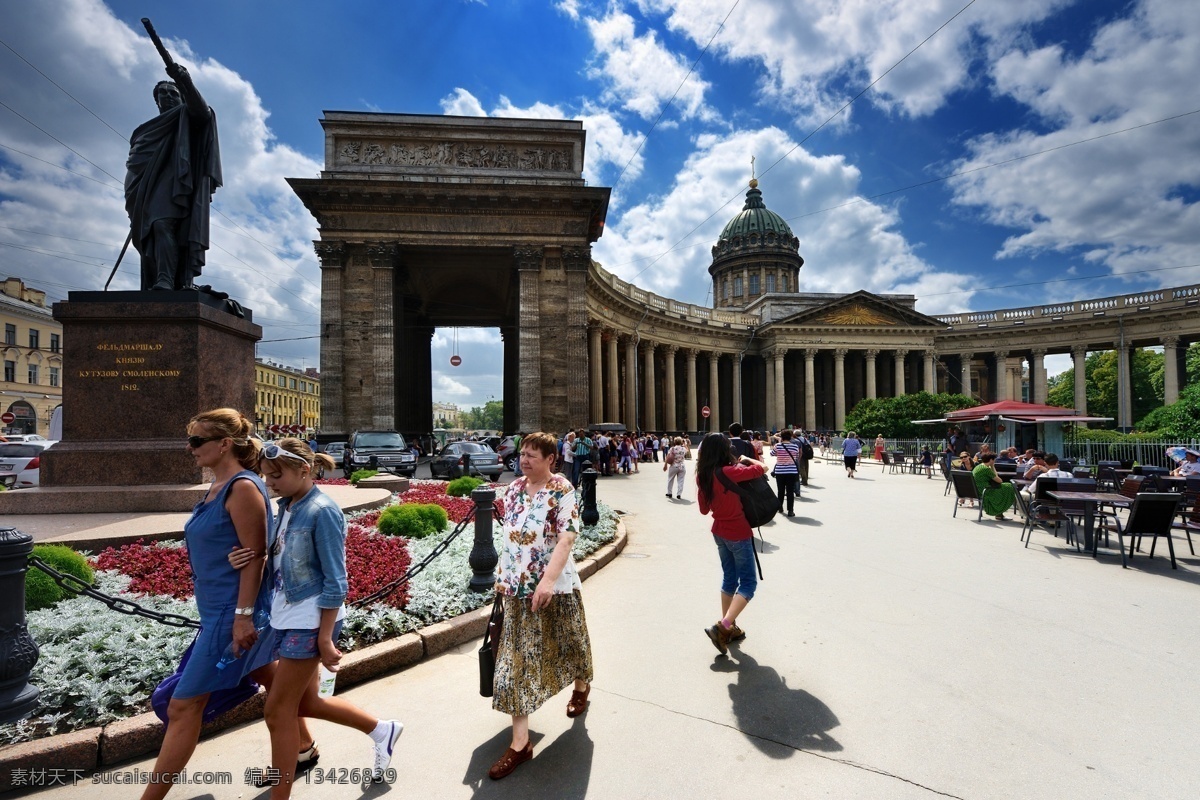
{"x": 437, "y": 221}
{"x": 286, "y": 395}
{"x": 33, "y": 364}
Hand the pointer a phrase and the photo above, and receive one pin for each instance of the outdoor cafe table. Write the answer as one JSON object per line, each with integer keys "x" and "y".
{"x": 1090, "y": 500}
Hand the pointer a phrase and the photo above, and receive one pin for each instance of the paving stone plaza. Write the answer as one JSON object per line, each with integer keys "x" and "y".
{"x": 892, "y": 652}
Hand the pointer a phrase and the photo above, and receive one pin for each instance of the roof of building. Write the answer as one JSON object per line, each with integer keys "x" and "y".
{"x": 755, "y": 217}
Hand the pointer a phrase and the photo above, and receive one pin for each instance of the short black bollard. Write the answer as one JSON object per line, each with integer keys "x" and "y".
{"x": 18, "y": 651}
{"x": 587, "y": 495}
{"x": 483, "y": 558}
{"x": 374, "y": 463}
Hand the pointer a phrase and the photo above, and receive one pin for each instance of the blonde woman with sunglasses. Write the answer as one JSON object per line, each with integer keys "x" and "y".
{"x": 306, "y": 570}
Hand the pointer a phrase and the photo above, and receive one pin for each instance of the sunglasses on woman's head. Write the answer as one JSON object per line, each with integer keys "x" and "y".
{"x": 196, "y": 442}
{"x": 274, "y": 451}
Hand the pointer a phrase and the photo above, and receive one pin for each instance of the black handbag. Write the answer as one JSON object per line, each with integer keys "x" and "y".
{"x": 489, "y": 649}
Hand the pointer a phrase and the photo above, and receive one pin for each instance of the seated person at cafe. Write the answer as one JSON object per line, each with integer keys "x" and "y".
{"x": 1190, "y": 464}
{"x": 1026, "y": 458}
{"x": 1008, "y": 456}
{"x": 1035, "y": 466}
{"x": 1052, "y": 471}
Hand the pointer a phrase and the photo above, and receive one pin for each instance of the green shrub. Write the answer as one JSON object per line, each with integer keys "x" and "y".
{"x": 462, "y": 487}
{"x": 40, "y": 589}
{"x": 412, "y": 520}
{"x": 359, "y": 474}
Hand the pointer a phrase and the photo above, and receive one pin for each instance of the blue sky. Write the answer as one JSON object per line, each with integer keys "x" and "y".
{"x": 988, "y": 82}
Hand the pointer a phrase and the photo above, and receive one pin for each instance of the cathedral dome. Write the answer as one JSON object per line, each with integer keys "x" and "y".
{"x": 755, "y": 217}
{"x": 757, "y": 254}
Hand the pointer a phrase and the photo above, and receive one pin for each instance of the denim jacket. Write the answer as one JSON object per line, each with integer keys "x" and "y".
{"x": 314, "y": 561}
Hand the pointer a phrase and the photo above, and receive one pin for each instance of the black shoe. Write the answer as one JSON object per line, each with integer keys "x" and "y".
{"x": 668, "y": 495}
{"x": 790, "y": 514}
{"x": 678, "y": 497}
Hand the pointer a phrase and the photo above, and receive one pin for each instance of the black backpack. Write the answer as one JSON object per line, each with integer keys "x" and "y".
{"x": 808, "y": 451}
{"x": 760, "y": 504}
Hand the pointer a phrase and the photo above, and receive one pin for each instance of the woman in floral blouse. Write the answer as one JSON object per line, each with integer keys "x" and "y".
{"x": 544, "y": 645}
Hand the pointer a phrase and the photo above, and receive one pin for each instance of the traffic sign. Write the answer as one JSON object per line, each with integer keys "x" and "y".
{"x": 8, "y": 417}
{"x": 706, "y": 412}
{"x": 455, "y": 360}
{"x": 274, "y": 429}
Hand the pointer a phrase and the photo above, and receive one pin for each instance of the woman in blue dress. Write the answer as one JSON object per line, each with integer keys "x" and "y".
{"x": 234, "y": 513}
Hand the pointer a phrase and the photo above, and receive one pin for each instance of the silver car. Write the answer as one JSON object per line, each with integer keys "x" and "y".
{"x": 20, "y": 463}
{"x": 452, "y": 461}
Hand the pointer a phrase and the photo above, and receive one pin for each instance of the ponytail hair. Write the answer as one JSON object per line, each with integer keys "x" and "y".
{"x": 230, "y": 423}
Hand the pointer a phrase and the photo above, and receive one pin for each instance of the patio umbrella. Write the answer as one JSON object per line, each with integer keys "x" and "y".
{"x": 1177, "y": 452}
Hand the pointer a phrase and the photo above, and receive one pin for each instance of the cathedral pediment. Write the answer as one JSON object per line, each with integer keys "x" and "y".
{"x": 861, "y": 310}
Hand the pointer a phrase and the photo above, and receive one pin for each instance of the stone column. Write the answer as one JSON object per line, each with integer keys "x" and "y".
{"x": 631, "y": 415}
{"x": 511, "y": 337}
{"x": 810, "y": 390}
{"x": 780, "y": 387}
{"x": 595, "y": 375}
{"x": 737, "y": 386}
{"x": 1170, "y": 369}
{"x": 714, "y": 389}
{"x": 1079, "y": 357}
{"x": 333, "y": 390}
{"x": 651, "y": 416}
{"x": 383, "y": 343}
{"x": 965, "y": 373}
{"x": 1017, "y": 381}
{"x": 693, "y": 412}
{"x": 839, "y": 388}
{"x": 900, "y": 355}
{"x": 529, "y": 268}
{"x": 930, "y": 373}
{"x": 576, "y": 261}
{"x": 1000, "y": 375}
{"x": 769, "y": 389}
{"x": 870, "y": 356}
{"x": 612, "y": 405}
{"x": 1037, "y": 374}
{"x": 669, "y": 387}
{"x": 1125, "y": 396}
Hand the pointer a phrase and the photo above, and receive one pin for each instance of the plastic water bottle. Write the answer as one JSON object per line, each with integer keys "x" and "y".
{"x": 262, "y": 621}
{"x": 325, "y": 682}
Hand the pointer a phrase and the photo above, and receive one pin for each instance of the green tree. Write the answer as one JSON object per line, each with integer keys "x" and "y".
{"x": 1145, "y": 367}
{"x": 1180, "y": 420}
{"x": 489, "y": 417}
{"x": 893, "y": 416}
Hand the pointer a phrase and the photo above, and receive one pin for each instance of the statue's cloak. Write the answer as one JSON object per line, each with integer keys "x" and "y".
{"x": 173, "y": 169}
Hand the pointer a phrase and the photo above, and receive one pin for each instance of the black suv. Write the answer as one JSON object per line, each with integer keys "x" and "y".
{"x": 387, "y": 449}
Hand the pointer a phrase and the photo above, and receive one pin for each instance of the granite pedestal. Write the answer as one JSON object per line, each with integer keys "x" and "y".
{"x": 139, "y": 366}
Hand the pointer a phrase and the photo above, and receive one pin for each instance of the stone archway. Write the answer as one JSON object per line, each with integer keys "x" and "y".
{"x": 433, "y": 221}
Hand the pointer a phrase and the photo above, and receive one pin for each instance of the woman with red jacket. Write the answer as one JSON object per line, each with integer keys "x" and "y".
{"x": 731, "y": 531}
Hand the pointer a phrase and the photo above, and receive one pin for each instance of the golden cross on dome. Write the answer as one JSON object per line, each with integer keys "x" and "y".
{"x": 753, "y": 180}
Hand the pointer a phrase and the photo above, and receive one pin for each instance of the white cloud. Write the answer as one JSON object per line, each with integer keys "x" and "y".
{"x": 444, "y": 386}
{"x": 1120, "y": 202}
{"x": 568, "y": 7}
{"x": 853, "y": 247}
{"x": 817, "y": 55}
{"x": 462, "y": 103}
{"x": 641, "y": 73}
{"x": 112, "y": 69}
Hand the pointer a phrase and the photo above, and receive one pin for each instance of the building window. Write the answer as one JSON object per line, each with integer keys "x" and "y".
{"x": 737, "y": 287}
{"x": 293, "y": 384}
{"x": 753, "y": 284}
{"x": 10, "y": 371}
{"x": 10, "y": 334}
{"x": 725, "y": 288}
{"x": 55, "y": 343}
{"x": 770, "y": 283}
{"x": 33, "y": 374}
{"x": 33, "y": 339}
{"x": 281, "y": 382}
{"x": 54, "y": 376}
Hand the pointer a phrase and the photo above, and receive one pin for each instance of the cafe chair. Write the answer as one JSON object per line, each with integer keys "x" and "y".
{"x": 1189, "y": 511}
{"x": 887, "y": 461}
{"x": 1036, "y": 514}
{"x": 945, "y": 472}
{"x": 1106, "y": 476}
{"x": 964, "y": 489}
{"x": 898, "y": 462}
{"x": 1151, "y": 515}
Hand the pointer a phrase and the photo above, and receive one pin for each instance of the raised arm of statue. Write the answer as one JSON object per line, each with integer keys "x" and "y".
{"x": 197, "y": 108}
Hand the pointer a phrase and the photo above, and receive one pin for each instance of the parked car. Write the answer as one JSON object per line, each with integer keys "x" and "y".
{"x": 452, "y": 461}
{"x": 20, "y": 463}
{"x": 335, "y": 450}
{"x": 387, "y": 449}
{"x": 24, "y": 437}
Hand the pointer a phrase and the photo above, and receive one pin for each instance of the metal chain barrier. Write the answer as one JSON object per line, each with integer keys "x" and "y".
{"x": 416, "y": 569}
{"x": 77, "y": 586}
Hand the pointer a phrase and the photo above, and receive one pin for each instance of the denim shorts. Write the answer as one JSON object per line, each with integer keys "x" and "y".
{"x": 299, "y": 643}
{"x": 737, "y": 566}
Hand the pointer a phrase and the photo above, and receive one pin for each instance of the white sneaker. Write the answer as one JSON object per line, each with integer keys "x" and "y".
{"x": 383, "y": 749}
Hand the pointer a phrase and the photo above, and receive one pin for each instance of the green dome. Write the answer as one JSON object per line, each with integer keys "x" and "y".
{"x": 756, "y": 218}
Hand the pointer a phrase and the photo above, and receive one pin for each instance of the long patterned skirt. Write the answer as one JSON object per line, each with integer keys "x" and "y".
{"x": 541, "y": 653}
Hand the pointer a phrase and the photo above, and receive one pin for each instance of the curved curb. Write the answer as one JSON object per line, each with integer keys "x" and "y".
{"x": 90, "y": 749}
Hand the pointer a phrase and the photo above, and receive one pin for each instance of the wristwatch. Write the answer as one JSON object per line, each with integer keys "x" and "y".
{"x": 248, "y": 611}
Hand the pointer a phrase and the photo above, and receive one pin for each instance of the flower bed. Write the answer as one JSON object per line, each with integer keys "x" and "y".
{"x": 97, "y": 665}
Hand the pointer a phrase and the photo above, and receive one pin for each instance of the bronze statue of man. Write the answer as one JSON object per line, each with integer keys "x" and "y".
{"x": 173, "y": 169}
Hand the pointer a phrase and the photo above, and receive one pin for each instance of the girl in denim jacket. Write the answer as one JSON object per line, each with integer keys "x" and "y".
{"x": 306, "y": 567}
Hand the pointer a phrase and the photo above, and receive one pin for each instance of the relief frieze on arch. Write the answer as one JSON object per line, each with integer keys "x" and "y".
{"x": 464, "y": 155}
